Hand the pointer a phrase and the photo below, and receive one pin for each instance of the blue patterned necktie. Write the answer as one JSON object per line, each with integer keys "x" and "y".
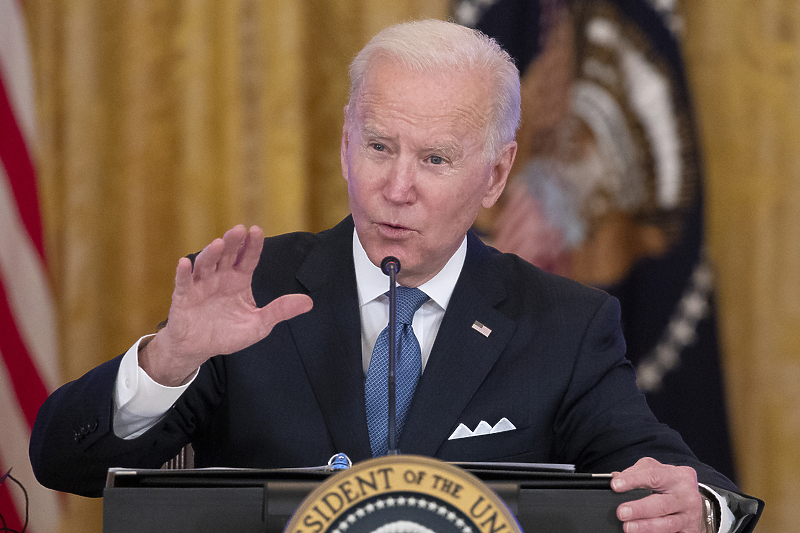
{"x": 407, "y": 371}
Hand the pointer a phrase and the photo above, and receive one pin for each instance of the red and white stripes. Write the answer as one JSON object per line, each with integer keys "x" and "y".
{"x": 28, "y": 344}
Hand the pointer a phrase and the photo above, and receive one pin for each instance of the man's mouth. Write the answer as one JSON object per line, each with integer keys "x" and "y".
{"x": 393, "y": 230}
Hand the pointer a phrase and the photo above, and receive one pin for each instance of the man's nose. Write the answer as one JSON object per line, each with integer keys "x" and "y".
{"x": 400, "y": 184}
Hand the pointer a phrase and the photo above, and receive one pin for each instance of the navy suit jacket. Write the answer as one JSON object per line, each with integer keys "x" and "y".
{"x": 554, "y": 365}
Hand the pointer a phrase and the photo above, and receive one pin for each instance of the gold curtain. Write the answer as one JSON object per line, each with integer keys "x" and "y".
{"x": 744, "y": 66}
{"x": 164, "y": 122}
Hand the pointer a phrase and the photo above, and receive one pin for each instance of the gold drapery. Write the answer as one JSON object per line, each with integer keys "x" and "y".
{"x": 162, "y": 123}
{"x": 744, "y": 67}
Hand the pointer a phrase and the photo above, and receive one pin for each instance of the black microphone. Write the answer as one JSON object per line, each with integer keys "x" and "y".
{"x": 390, "y": 263}
{"x": 391, "y": 266}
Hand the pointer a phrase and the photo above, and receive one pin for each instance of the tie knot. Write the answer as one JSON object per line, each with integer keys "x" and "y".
{"x": 408, "y": 301}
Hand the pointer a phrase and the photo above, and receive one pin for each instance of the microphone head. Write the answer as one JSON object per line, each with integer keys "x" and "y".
{"x": 390, "y": 262}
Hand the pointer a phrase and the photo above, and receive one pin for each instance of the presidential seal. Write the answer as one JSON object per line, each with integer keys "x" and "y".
{"x": 403, "y": 494}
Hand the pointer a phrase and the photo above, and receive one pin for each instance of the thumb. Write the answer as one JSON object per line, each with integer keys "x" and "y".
{"x": 286, "y": 307}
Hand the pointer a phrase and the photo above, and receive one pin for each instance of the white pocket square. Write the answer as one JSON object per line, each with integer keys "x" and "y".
{"x": 483, "y": 428}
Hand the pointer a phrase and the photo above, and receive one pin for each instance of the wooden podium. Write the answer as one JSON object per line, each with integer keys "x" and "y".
{"x": 245, "y": 500}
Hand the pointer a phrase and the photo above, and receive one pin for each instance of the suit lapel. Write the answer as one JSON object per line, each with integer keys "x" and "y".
{"x": 460, "y": 354}
{"x": 329, "y": 339}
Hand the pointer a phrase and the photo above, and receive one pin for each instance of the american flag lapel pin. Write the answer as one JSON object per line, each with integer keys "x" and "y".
{"x": 480, "y": 328}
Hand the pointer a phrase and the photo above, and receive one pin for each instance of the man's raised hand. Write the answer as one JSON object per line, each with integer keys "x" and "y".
{"x": 213, "y": 310}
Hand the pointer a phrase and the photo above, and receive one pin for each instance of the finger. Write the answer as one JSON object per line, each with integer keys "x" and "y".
{"x": 183, "y": 276}
{"x": 250, "y": 253}
{"x": 633, "y": 477}
{"x": 659, "y": 525}
{"x": 234, "y": 239}
{"x": 648, "y": 473}
{"x": 654, "y": 506}
{"x": 206, "y": 261}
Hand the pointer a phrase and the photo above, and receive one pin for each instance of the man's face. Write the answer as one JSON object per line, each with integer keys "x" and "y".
{"x": 413, "y": 158}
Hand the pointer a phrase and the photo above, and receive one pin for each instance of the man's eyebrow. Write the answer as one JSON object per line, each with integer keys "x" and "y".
{"x": 446, "y": 148}
{"x": 450, "y": 149}
{"x": 368, "y": 131}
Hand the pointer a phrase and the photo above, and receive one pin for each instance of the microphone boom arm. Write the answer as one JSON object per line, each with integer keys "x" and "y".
{"x": 391, "y": 266}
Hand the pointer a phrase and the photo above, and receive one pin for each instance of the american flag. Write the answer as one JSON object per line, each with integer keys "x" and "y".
{"x": 28, "y": 344}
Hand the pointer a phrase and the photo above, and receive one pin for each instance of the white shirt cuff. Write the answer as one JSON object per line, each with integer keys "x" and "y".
{"x": 726, "y": 515}
{"x": 140, "y": 402}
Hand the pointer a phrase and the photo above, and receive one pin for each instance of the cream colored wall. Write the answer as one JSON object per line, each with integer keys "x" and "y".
{"x": 162, "y": 123}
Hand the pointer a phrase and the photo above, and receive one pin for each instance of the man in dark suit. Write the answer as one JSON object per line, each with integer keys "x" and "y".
{"x": 259, "y": 366}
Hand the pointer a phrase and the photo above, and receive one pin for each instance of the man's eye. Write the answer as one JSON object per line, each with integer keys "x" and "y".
{"x": 378, "y": 147}
{"x": 436, "y": 159}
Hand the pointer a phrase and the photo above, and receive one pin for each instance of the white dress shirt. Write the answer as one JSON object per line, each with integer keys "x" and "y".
{"x": 374, "y": 303}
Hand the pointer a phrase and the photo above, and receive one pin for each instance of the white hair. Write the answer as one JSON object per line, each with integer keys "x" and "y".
{"x": 437, "y": 46}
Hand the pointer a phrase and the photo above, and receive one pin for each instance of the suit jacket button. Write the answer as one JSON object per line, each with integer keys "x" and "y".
{"x": 93, "y": 425}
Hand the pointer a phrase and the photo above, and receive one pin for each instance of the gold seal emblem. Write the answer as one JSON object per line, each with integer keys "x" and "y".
{"x": 403, "y": 494}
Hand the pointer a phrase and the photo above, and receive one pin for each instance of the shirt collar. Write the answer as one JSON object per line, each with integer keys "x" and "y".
{"x": 373, "y": 283}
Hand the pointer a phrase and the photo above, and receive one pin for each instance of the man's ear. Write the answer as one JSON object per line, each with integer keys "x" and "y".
{"x": 499, "y": 174}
